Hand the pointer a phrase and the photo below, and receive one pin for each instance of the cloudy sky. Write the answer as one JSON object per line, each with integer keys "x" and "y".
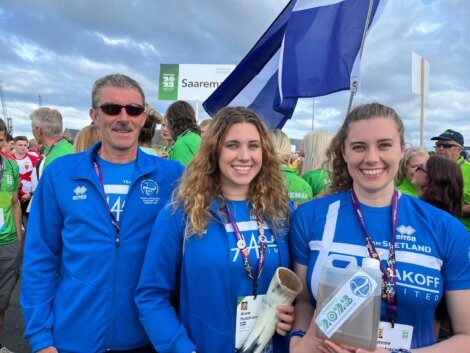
{"x": 58, "y": 48}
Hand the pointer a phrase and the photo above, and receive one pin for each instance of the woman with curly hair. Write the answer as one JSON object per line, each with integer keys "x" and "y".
{"x": 365, "y": 216}
{"x": 181, "y": 120}
{"x": 220, "y": 241}
{"x": 413, "y": 157}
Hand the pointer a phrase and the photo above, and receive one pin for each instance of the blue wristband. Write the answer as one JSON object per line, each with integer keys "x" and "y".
{"x": 401, "y": 350}
{"x": 298, "y": 333}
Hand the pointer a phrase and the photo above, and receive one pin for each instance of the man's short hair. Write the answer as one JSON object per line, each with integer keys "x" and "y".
{"x": 20, "y": 138}
{"x": 114, "y": 80}
{"x": 49, "y": 120}
{"x": 3, "y": 126}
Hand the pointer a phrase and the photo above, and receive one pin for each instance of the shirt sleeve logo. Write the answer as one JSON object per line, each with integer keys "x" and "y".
{"x": 80, "y": 193}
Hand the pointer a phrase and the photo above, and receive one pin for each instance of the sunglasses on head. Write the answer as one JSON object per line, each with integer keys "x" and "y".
{"x": 114, "y": 109}
{"x": 445, "y": 145}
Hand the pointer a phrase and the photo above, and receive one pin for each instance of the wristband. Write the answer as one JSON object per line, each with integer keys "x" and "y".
{"x": 298, "y": 333}
{"x": 401, "y": 350}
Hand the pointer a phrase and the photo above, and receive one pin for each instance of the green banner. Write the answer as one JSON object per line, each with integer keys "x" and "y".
{"x": 168, "y": 83}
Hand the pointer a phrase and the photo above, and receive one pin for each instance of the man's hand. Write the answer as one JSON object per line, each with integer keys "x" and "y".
{"x": 50, "y": 349}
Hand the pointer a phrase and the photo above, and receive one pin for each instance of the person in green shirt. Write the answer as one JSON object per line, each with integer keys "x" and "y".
{"x": 450, "y": 144}
{"x": 181, "y": 120}
{"x": 299, "y": 190}
{"x": 412, "y": 159}
{"x": 315, "y": 170}
{"x": 10, "y": 230}
{"x": 46, "y": 124}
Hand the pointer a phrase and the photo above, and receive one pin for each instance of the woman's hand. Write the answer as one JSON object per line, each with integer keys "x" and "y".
{"x": 285, "y": 319}
{"x": 330, "y": 347}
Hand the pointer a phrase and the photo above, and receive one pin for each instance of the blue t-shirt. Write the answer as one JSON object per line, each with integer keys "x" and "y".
{"x": 431, "y": 251}
{"x": 116, "y": 179}
{"x": 240, "y": 283}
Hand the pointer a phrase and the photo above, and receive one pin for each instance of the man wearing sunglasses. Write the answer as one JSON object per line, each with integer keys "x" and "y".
{"x": 88, "y": 232}
{"x": 450, "y": 144}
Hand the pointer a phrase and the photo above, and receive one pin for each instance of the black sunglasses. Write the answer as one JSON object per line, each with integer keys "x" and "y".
{"x": 445, "y": 145}
{"x": 114, "y": 109}
{"x": 421, "y": 168}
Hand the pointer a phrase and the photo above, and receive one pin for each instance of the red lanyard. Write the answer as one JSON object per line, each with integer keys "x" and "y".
{"x": 241, "y": 245}
{"x": 389, "y": 273}
{"x": 113, "y": 219}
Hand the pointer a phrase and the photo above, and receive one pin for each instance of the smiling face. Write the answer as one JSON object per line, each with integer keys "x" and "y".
{"x": 240, "y": 160}
{"x": 119, "y": 133}
{"x": 372, "y": 151}
{"x": 413, "y": 163}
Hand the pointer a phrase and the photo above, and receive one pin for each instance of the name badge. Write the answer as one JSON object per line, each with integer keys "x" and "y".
{"x": 247, "y": 313}
{"x": 394, "y": 338}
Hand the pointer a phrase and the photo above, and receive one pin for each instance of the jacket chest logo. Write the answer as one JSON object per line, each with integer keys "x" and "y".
{"x": 149, "y": 192}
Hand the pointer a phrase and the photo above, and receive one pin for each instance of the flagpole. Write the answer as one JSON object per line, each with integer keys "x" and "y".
{"x": 423, "y": 85}
{"x": 313, "y": 111}
{"x": 355, "y": 84}
{"x": 197, "y": 110}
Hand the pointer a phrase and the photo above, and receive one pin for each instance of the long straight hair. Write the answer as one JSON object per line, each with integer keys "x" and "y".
{"x": 445, "y": 185}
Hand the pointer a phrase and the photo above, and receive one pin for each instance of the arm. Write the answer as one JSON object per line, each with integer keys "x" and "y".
{"x": 16, "y": 211}
{"x": 303, "y": 318}
{"x": 41, "y": 265}
{"x": 158, "y": 280}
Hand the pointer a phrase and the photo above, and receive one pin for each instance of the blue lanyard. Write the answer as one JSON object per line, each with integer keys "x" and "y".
{"x": 111, "y": 215}
{"x": 241, "y": 245}
{"x": 389, "y": 274}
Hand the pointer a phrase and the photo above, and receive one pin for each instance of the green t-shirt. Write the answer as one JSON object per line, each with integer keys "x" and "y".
{"x": 299, "y": 190}
{"x": 465, "y": 166}
{"x": 8, "y": 188}
{"x": 407, "y": 188}
{"x": 319, "y": 180}
{"x": 185, "y": 148}
{"x": 62, "y": 148}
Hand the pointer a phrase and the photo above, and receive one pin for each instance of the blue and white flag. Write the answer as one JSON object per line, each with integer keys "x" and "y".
{"x": 321, "y": 49}
{"x": 300, "y": 55}
{"x": 254, "y": 82}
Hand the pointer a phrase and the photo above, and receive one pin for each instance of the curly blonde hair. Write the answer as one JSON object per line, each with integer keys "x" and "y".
{"x": 340, "y": 178}
{"x": 200, "y": 184}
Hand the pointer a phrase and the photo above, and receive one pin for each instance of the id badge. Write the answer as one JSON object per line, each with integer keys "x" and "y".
{"x": 394, "y": 338}
{"x": 247, "y": 313}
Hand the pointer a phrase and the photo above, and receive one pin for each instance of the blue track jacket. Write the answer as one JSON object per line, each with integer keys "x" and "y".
{"x": 204, "y": 321}
{"x": 78, "y": 282}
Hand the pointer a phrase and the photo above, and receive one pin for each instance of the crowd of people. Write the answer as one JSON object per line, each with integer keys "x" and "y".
{"x": 132, "y": 247}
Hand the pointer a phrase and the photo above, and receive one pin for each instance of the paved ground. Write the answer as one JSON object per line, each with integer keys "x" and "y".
{"x": 14, "y": 327}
